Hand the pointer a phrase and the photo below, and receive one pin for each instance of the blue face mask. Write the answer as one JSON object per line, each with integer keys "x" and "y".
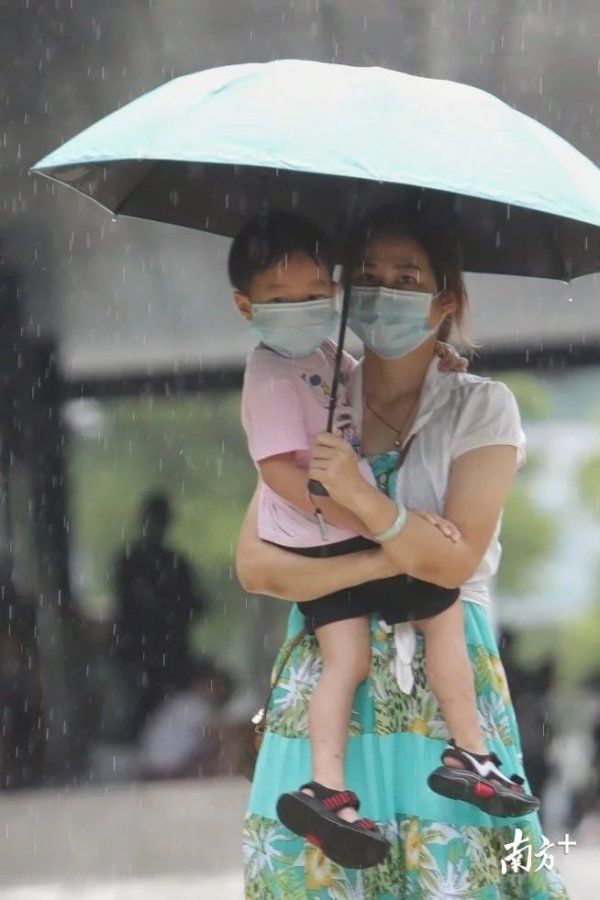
{"x": 390, "y": 322}
{"x": 295, "y": 329}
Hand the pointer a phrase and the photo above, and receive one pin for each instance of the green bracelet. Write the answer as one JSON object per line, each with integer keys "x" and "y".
{"x": 396, "y": 526}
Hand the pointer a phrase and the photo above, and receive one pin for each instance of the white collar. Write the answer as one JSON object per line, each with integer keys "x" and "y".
{"x": 437, "y": 387}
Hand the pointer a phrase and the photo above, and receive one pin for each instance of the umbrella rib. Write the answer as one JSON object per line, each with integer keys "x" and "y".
{"x": 122, "y": 203}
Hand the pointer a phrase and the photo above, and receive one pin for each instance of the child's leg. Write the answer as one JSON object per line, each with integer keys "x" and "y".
{"x": 450, "y": 675}
{"x": 479, "y": 780}
{"x": 346, "y": 653}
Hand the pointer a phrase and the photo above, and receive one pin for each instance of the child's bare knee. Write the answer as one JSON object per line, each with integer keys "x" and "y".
{"x": 346, "y": 650}
{"x": 352, "y": 666}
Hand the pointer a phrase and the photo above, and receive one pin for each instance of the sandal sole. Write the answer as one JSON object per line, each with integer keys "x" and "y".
{"x": 341, "y": 843}
{"x": 460, "y": 787}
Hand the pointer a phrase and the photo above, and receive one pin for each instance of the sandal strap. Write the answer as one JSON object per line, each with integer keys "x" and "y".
{"x": 368, "y": 824}
{"x": 474, "y": 762}
{"x": 468, "y": 757}
{"x": 332, "y": 799}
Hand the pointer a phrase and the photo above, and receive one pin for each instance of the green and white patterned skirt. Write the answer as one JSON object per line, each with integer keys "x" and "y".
{"x": 441, "y": 848}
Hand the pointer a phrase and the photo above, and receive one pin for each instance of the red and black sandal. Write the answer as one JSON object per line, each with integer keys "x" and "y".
{"x": 353, "y": 845}
{"x": 480, "y": 782}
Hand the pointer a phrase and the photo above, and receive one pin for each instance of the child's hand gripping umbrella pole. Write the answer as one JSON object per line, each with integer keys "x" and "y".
{"x": 315, "y": 488}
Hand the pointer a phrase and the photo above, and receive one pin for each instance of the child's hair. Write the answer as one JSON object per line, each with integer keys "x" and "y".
{"x": 439, "y": 241}
{"x": 267, "y": 238}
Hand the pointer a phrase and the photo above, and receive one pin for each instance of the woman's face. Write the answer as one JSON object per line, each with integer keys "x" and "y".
{"x": 400, "y": 263}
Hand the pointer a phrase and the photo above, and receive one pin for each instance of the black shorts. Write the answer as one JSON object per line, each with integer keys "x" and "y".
{"x": 396, "y": 599}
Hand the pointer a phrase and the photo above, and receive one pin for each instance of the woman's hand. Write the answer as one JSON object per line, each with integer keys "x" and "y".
{"x": 450, "y": 359}
{"x": 447, "y": 528}
{"x": 387, "y": 569}
{"x": 335, "y": 465}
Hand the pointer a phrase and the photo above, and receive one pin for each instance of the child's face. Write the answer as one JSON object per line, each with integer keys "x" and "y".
{"x": 292, "y": 280}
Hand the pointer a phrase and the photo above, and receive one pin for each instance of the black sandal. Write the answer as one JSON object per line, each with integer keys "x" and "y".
{"x": 353, "y": 845}
{"x": 480, "y": 782}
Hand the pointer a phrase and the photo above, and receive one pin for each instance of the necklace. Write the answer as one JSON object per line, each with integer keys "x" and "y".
{"x": 397, "y": 431}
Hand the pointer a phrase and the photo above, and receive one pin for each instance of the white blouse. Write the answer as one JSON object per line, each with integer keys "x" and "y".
{"x": 457, "y": 413}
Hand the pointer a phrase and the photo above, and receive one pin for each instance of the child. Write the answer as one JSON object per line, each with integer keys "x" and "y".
{"x": 280, "y": 267}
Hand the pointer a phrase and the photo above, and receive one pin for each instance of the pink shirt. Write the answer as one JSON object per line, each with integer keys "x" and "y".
{"x": 284, "y": 407}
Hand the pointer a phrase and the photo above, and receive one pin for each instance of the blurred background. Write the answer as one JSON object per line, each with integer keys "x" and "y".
{"x": 124, "y": 473}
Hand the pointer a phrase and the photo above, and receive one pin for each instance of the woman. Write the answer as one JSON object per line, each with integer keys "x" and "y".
{"x": 465, "y": 443}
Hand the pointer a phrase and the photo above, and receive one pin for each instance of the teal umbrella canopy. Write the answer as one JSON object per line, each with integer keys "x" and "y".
{"x": 209, "y": 149}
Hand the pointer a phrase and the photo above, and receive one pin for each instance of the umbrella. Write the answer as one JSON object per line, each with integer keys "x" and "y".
{"x": 207, "y": 150}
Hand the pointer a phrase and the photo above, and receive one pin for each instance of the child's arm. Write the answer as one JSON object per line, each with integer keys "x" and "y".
{"x": 282, "y": 474}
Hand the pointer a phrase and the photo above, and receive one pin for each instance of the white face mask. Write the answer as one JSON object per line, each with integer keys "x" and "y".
{"x": 390, "y": 322}
{"x": 295, "y": 329}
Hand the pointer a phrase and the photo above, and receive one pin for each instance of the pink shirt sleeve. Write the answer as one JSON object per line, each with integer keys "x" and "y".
{"x": 272, "y": 414}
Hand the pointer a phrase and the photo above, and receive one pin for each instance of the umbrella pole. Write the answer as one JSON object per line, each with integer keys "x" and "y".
{"x": 315, "y": 487}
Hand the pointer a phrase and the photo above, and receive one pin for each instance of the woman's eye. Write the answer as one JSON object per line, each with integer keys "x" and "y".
{"x": 406, "y": 280}
{"x": 362, "y": 278}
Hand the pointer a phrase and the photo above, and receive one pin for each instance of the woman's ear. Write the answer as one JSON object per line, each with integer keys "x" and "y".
{"x": 449, "y": 303}
{"x": 242, "y": 301}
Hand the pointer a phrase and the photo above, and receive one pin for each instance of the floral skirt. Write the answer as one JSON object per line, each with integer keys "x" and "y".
{"x": 440, "y": 848}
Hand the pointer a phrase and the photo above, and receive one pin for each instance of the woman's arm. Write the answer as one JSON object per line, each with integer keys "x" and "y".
{"x": 478, "y": 486}
{"x": 263, "y": 568}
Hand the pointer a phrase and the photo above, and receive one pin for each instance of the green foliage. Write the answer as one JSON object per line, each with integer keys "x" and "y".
{"x": 532, "y": 394}
{"x": 588, "y": 482}
{"x": 580, "y": 643}
{"x": 193, "y": 448}
{"x": 573, "y": 644}
{"x": 528, "y": 535}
